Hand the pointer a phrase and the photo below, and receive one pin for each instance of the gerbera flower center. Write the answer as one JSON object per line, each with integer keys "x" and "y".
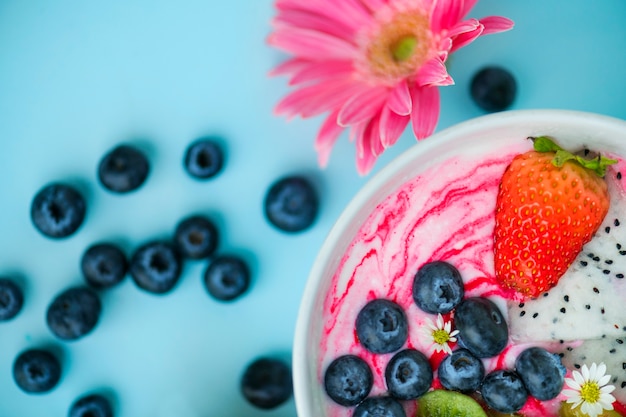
{"x": 590, "y": 392}
{"x": 440, "y": 336}
{"x": 400, "y": 46}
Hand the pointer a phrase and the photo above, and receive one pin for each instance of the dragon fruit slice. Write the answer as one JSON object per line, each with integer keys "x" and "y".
{"x": 611, "y": 351}
{"x": 588, "y": 302}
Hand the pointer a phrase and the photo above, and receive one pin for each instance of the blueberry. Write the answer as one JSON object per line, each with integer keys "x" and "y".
{"x": 36, "y": 371}
{"x": 92, "y": 405}
{"x": 437, "y": 287}
{"x": 266, "y": 383}
{"x": 58, "y": 210}
{"x": 103, "y": 265}
{"x": 408, "y": 374}
{"x": 379, "y": 407}
{"x": 504, "y": 391}
{"x": 227, "y": 277}
{"x": 493, "y": 89}
{"x": 541, "y": 371}
{"x": 291, "y": 204}
{"x": 156, "y": 267}
{"x": 11, "y": 299}
{"x": 461, "y": 371}
{"x": 348, "y": 380}
{"x": 482, "y": 328}
{"x": 381, "y": 326}
{"x": 204, "y": 158}
{"x": 73, "y": 313}
{"x": 123, "y": 169}
{"x": 196, "y": 237}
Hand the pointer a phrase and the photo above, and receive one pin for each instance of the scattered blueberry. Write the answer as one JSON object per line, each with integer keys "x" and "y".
{"x": 291, "y": 204}
{"x": 408, "y": 374}
{"x": 379, "y": 407}
{"x": 381, "y": 326}
{"x": 36, "y": 371}
{"x": 11, "y": 299}
{"x": 493, "y": 89}
{"x": 156, "y": 267}
{"x": 482, "y": 328}
{"x": 104, "y": 265}
{"x": 461, "y": 371}
{"x": 73, "y": 313}
{"x": 123, "y": 169}
{"x": 92, "y": 405}
{"x": 196, "y": 237}
{"x": 227, "y": 277}
{"x": 58, "y": 210}
{"x": 541, "y": 371}
{"x": 204, "y": 158}
{"x": 437, "y": 287}
{"x": 504, "y": 391}
{"x": 266, "y": 383}
{"x": 348, "y": 380}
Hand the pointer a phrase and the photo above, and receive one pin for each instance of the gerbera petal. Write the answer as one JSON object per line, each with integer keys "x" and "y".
{"x": 321, "y": 70}
{"x": 467, "y": 6}
{"x": 311, "y": 44}
{"x": 374, "y": 5}
{"x": 445, "y": 14}
{"x": 400, "y": 99}
{"x": 306, "y": 20}
{"x": 362, "y": 106}
{"x": 349, "y": 13}
{"x": 454, "y": 333}
{"x": 290, "y": 66}
{"x": 466, "y": 38}
{"x": 392, "y": 125}
{"x": 326, "y": 138}
{"x": 373, "y": 133}
{"x": 463, "y": 27}
{"x": 496, "y": 24}
{"x": 316, "y": 99}
{"x": 434, "y": 73}
{"x": 365, "y": 159}
{"x": 425, "y": 113}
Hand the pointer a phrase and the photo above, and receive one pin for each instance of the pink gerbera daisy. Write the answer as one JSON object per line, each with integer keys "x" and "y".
{"x": 372, "y": 65}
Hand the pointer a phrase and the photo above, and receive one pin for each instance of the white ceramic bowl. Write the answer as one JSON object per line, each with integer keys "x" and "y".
{"x": 573, "y": 129}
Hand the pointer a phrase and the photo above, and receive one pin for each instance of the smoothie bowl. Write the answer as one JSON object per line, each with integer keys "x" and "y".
{"x": 466, "y": 279}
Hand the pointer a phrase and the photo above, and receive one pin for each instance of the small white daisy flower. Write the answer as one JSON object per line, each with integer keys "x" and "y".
{"x": 589, "y": 389}
{"x": 441, "y": 334}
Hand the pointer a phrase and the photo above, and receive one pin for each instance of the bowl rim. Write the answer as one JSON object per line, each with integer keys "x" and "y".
{"x": 303, "y": 397}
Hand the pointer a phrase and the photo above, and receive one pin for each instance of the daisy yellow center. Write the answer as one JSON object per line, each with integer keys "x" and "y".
{"x": 400, "y": 47}
{"x": 590, "y": 392}
{"x": 441, "y": 337}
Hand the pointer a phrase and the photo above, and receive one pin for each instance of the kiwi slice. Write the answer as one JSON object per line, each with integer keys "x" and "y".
{"x": 566, "y": 410}
{"x": 442, "y": 403}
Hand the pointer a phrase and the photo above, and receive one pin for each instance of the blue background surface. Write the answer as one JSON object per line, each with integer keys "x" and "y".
{"x": 79, "y": 77}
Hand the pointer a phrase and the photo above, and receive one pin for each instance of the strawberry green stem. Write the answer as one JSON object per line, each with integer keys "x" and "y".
{"x": 597, "y": 164}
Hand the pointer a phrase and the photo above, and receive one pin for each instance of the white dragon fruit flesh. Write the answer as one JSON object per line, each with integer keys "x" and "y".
{"x": 610, "y": 350}
{"x": 589, "y": 300}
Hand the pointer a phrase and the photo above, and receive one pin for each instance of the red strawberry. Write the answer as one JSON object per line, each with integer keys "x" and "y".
{"x": 550, "y": 203}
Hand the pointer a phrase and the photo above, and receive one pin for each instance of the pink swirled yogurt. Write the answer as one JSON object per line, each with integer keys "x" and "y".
{"x": 446, "y": 213}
